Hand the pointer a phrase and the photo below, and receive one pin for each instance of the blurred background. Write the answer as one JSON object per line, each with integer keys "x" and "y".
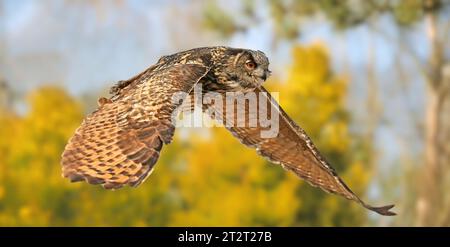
{"x": 368, "y": 80}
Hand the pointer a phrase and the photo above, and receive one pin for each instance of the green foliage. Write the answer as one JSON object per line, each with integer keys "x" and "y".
{"x": 287, "y": 15}
{"x": 216, "y": 19}
{"x": 198, "y": 180}
{"x": 408, "y": 12}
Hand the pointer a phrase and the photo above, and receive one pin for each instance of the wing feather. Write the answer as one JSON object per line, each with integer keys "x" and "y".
{"x": 293, "y": 150}
{"x": 120, "y": 142}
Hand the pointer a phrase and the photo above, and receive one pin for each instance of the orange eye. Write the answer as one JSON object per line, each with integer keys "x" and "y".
{"x": 250, "y": 65}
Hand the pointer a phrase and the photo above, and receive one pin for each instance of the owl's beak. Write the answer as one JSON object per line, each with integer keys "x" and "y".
{"x": 266, "y": 74}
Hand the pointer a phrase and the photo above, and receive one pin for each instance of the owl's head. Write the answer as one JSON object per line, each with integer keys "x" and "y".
{"x": 244, "y": 68}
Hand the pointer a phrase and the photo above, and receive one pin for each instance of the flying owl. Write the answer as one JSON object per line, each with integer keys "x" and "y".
{"x": 120, "y": 142}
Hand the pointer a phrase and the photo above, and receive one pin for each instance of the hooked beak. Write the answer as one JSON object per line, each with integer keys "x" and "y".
{"x": 266, "y": 74}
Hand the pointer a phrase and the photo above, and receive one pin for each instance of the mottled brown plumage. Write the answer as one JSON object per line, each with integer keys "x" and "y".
{"x": 120, "y": 142}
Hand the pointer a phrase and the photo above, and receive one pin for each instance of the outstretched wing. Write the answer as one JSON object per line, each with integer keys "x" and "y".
{"x": 120, "y": 142}
{"x": 291, "y": 148}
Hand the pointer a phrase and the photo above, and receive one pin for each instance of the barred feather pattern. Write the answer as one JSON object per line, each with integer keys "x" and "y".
{"x": 120, "y": 142}
{"x": 291, "y": 148}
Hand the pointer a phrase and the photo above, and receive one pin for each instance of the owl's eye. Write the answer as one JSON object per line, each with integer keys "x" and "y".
{"x": 250, "y": 65}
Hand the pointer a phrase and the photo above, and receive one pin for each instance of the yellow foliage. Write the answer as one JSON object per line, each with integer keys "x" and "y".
{"x": 228, "y": 184}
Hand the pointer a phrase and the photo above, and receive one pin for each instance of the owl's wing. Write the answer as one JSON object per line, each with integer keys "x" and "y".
{"x": 292, "y": 149}
{"x": 120, "y": 142}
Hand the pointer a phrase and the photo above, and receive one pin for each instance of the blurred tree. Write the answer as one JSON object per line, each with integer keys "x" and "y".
{"x": 219, "y": 20}
{"x": 31, "y": 147}
{"x": 32, "y": 192}
{"x": 288, "y": 16}
{"x": 5, "y": 94}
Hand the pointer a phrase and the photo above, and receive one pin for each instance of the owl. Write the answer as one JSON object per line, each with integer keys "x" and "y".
{"x": 120, "y": 142}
